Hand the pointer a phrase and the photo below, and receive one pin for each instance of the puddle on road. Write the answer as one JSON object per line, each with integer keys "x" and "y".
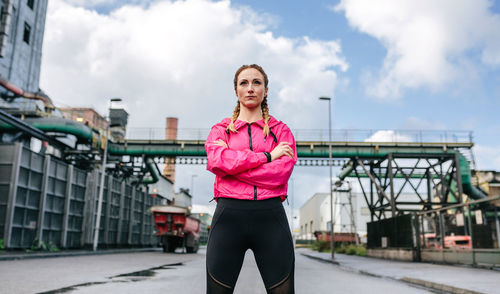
{"x": 122, "y": 278}
{"x": 72, "y": 288}
{"x": 149, "y": 272}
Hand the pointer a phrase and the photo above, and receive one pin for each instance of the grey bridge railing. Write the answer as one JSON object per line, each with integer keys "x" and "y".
{"x": 339, "y": 135}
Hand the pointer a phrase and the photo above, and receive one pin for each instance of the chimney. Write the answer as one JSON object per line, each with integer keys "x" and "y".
{"x": 170, "y": 134}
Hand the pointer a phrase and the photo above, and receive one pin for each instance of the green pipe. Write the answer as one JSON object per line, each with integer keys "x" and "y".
{"x": 153, "y": 170}
{"x": 468, "y": 188}
{"x": 346, "y": 171}
{"x": 59, "y": 125}
{"x": 120, "y": 149}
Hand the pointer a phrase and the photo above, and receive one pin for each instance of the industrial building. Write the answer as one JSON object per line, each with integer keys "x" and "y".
{"x": 350, "y": 211}
{"x": 22, "y": 25}
{"x": 58, "y": 187}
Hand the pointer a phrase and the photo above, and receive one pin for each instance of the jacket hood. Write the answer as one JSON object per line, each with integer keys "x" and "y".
{"x": 239, "y": 123}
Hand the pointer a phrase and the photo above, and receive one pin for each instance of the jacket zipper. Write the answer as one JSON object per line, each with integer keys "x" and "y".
{"x": 251, "y": 148}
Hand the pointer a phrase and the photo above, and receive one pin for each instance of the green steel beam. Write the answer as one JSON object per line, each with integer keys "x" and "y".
{"x": 186, "y": 148}
{"x": 396, "y": 176}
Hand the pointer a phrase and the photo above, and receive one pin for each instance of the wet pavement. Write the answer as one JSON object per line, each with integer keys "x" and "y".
{"x": 157, "y": 272}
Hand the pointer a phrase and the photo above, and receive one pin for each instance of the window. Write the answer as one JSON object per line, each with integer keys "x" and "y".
{"x": 31, "y": 4}
{"x": 27, "y": 32}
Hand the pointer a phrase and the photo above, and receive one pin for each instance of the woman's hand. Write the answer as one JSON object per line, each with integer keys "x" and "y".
{"x": 283, "y": 148}
{"x": 221, "y": 143}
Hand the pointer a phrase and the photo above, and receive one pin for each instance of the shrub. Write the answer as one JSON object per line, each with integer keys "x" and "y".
{"x": 340, "y": 249}
{"x": 2, "y": 244}
{"x": 321, "y": 246}
{"x": 350, "y": 250}
{"x": 52, "y": 247}
{"x": 361, "y": 250}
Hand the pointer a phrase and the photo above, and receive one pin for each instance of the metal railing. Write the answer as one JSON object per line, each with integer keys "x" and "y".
{"x": 338, "y": 135}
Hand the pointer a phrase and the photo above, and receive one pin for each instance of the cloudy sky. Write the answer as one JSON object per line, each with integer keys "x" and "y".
{"x": 389, "y": 64}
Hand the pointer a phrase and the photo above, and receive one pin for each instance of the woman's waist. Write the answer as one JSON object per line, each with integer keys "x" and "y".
{"x": 246, "y": 204}
{"x": 229, "y": 185}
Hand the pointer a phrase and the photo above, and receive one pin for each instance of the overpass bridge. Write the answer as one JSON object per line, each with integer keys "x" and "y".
{"x": 437, "y": 173}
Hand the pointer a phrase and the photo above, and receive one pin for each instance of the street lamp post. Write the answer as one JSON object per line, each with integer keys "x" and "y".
{"x": 101, "y": 188}
{"x": 332, "y": 222}
{"x": 192, "y": 184}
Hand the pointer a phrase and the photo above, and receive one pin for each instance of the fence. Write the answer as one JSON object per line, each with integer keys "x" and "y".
{"x": 343, "y": 135}
{"x": 465, "y": 233}
{"x": 392, "y": 232}
{"x": 44, "y": 200}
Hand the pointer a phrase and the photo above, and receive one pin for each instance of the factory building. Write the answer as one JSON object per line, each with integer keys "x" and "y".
{"x": 22, "y": 25}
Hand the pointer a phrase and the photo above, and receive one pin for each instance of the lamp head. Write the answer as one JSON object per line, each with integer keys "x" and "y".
{"x": 325, "y": 98}
{"x": 115, "y": 99}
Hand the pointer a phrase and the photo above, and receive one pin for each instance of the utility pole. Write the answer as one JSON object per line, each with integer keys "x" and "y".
{"x": 103, "y": 173}
{"x": 332, "y": 223}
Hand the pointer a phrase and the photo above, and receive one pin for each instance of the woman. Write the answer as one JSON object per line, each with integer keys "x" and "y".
{"x": 252, "y": 155}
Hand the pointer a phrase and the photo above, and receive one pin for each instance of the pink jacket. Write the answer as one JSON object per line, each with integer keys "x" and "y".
{"x": 242, "y": 170}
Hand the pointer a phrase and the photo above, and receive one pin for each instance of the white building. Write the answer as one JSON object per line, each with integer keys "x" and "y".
{"x": 183, "y": 198}
{"x": 315, "y": 214}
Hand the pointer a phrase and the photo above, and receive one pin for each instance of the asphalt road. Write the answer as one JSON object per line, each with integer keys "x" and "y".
{"x": 156, "y": 272}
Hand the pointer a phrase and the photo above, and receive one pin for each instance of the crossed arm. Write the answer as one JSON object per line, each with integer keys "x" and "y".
{"x": 252, "y": 167}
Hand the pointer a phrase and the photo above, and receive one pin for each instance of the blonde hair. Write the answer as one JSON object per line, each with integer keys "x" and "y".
{"x": 264, "y": 107}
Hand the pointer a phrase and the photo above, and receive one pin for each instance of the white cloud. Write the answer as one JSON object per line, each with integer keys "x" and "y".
{"x": 389, "y": 136}
{"x": 487, "y": 157}
{"x": 429, "y": 43}
{"x": 178, "y": 58}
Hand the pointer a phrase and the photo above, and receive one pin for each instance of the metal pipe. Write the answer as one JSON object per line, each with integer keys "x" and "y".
{"x": 346, "y": 171}
{"x": 461, "y": 204}
{"x": 497, "y": 225}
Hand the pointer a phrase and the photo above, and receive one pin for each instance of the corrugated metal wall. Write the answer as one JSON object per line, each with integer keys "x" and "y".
{"x": 46, "y": 201}
{"x": 399, "y": 232}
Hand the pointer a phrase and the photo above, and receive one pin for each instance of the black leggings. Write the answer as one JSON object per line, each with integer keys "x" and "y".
{"x": 259, "y": 225}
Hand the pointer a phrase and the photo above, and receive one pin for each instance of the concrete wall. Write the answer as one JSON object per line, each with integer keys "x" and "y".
{"x": 391, "y": 253}
{"x": 482, "y": 257}
{"x": 478, "y": 257}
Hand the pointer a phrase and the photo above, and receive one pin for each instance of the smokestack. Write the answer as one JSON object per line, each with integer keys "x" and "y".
{"x": 170, "y": 134}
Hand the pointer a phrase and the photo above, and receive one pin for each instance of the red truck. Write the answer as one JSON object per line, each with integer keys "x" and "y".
{"x": 338, "y": 237}
{"x": 176, "y": 228}
{"x": 453, "y": 242}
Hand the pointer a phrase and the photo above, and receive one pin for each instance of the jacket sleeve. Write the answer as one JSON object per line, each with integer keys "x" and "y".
{"x": 276, "y": 172}
{"x": 223, "y": 161}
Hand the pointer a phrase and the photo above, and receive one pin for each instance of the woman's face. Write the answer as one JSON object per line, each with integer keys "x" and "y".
{"x": 250, "y": 88}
